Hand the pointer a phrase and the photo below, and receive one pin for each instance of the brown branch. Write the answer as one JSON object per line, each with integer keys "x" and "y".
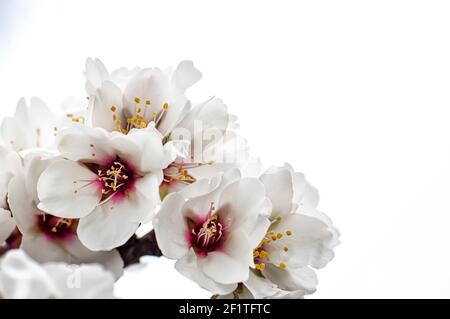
{"x": 136, "y": 247}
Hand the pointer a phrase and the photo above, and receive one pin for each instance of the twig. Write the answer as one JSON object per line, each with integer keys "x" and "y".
{"x": 136, "y": 247}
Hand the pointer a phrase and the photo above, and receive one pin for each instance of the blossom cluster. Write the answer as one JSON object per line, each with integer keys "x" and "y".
{"x": 75, "y": 186}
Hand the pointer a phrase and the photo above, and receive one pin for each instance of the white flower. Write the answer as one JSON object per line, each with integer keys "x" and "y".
{"x": 32, "y": 126}
{"x": 124, "y": 99}
{"x": 35, "y": 127}
{"x": 23, "y": 278}
{"x": 143, "y": 96}
{"x": 110, "y": 181}
{"x": 215, "y": 146}
{"x": 299, "y": 237}
{"x": 212, "y": 228}
{"x": 45, "y": 237}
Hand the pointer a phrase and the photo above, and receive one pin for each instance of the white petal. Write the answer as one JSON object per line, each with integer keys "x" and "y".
{"x": 260, "y": 287}
{"x": 7, "y": 225}
{"x": 174, "y": 150}
{"x": 22, "y": 205}
{"x": 5, "y": 178}
{"x": 200, "y": 187}
{"x": 95, "y": 74}
{"x": 240, "y": 205}
{"x": 148, "y": 84}
{"x": 82, "y": 143}
{"x": 279, "y": 189}
{"x": 185, "y": 76}
{"x": 106, "y": 97}
{"x": 106, "y": 228}
{"x": 35, "y": 164}
{"x": 23, "y": 278}
{"x": 60, "y": 196}
{"x": 84, "y": 281}
{"x": 170, "y": 228}
{"x": 206, "y": 123}
{"x": 79, "y": 254}
{"x": 232, "y": 264}
{"x": 311, "y": 242}
{"x": 198, "y": 207}
{"x": 43, "y": 249}
{"x": 292, "y": 279}
{"x": 188, "y": 267}
{"x": 41, "y": 125}
{"x": 14, "y": 135}
{"x": 141, "y": 148}
{"x": 260, "y": 230}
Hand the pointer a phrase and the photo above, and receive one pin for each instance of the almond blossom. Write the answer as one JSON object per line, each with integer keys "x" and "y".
{"x": 211, "y": 228}
{"x": 47, "y": 238}
{"x": 109, "y": 181}
{"x": 298, "y": 239}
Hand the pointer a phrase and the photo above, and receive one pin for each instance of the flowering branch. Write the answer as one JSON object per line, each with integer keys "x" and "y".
{"x": 136, "y": 247}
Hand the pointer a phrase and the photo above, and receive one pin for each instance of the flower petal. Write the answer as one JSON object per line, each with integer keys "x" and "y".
{"x": 171, "y": 229}
{"x": 185, "y": 76}
{"x": 81, "y": 281}
{"x": 292, "y": 279}
{"x": 42, "y": 249}
{"x": 68, "y": 189}
{"x": 279, "y": 189}
{"x": 95, "y": 74}
{"x": 310, "y": 244}
{"x": 22, "y": 205}
{"x": 23, "y": 278}
{"x": 142, "y": 148}
{"x": 107, "y": 98}
{"x": 83, "y": 143}
{"x": 232, "y": 264}
{"x": 241, "y": 206}
{"x": 110, "y": 260}
{"x": 106, "y": 228}
{"x": 7, "y": 225}
{"x": 188, "y": 267}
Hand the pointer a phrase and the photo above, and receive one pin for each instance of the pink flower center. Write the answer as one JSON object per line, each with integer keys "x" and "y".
{"x": 55, "y": 227}
{"x": 207, "y": 236}
{"x": 115, "y": 179}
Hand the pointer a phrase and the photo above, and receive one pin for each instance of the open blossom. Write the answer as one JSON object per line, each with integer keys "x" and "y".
{"x": 35, "y": 126}
{"x": 211, "y": 228}
{"x": 109, "y": 181}
{"x": 133, "y": 99}
{"x": 23, "y": 278}
{"x": 299, "y": 238}
{"x": 138, "y": 97}
{"x": 32, "y": 126}
{"x": 45, "y": 237}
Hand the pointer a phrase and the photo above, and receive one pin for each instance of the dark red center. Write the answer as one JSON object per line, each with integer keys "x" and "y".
{"x": 208, "y": 235}
{"x": 116, "y": 177}
{"x": 55, "y": 227}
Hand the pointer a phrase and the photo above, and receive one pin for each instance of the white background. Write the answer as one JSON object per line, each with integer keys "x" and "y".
{"x": 355, "y": 94}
